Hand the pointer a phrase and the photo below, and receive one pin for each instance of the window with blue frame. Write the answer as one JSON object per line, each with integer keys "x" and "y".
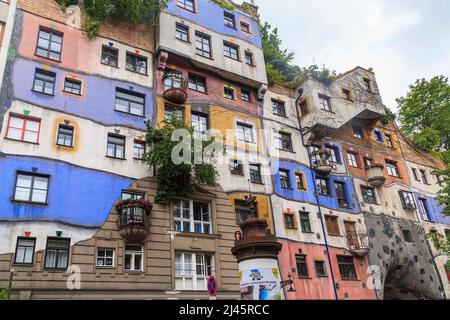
{"x": 334, "y": 153}
{"x": 378, "y": 135}
{"x": 423, "y": 205}
{"x": 322, "y": 186}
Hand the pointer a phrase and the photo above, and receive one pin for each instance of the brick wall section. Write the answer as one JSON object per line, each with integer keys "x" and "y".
{"x": 139, "y": 36}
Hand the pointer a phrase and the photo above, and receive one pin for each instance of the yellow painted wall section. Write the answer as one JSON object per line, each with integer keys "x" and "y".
{"x": 161, "y": 102}
{"x": 264, "y": 208}
{"x": 66, "y": 120}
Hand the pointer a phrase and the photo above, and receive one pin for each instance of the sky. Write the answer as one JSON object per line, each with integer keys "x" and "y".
{"x": 402, "y": 40}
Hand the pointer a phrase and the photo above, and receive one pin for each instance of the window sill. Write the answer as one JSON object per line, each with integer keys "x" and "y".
{"x": 142, "y": 74}
{"x": 49, "y": 59}
{"x": 105, "y": 268}
{"x": 134, "y": 272}
{"x": 114, "y": 158}
{"x": 285, "y": 150}
{"x": 43, "y": 93}
{"x": 308, "y": 232}
{"x": 351, "y": 280}
{"x": 75, "y": 95}
{"x": 63, "y": 146}
{"x": 291, "y": 228}
{"x": 209, "y": 58}
{"x": 336, "y": 235}
{"x": 110, "y": 65}
{"x": 292, "y": 189}
{"x": 15, "y": 140}
{"x": 53, "y": 270}
{"x": 237, "y": 174}
{"x": 199, "y": 235}
{"x": 23, "y": 265}
{"x": 259, "y": 183}
{"x": 30, "y": 202}
{"x": 130, "y": 114}
{"x": 183, "y": 41}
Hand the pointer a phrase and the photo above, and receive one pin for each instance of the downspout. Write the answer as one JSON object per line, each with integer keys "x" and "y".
{"x": 317, "y": 200}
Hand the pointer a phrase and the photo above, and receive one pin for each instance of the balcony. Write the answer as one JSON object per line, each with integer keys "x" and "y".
{"x": 134, "y": 219}
{"x": 358, "y": 244}
{"x": 321, "y": 162}
{"x": 175, "y": 85}
{"x": 375, "y": 175}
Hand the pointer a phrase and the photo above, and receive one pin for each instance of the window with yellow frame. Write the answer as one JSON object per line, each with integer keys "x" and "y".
{"x": 290, "y": 222}
{"x": 300, "y": 181}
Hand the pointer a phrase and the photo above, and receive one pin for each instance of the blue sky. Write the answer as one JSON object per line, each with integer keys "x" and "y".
{"x": 402, "y": 40}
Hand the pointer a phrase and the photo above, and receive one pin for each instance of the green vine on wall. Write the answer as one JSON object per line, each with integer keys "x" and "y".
{"x": 128, "y": 11}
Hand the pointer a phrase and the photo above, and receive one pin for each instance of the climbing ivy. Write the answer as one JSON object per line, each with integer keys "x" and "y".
{"x": 176, "y": 180}
{"x": 3, "y": 294}
{"x": 130, "y": 11}
{"x": 442, "y": 244}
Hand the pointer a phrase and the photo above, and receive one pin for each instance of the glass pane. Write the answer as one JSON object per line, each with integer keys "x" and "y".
{"x": 14, "y": 133}
{"x": 40, "y": 183}
{"x": 30, "y": 136}
{"x": 127, "y": 261}
{"x": 50, "y": 259}
{"x": 62, "y": 259}
{"x": 137, "y": 262}
{"x": 24, "y": 181}
{"x": 20, "y": 255}
{"x": 22, "y": 194}
{"x": 16, "y": 122}
{"x": 39, "y": 196}
{"x": 121, "y": 105}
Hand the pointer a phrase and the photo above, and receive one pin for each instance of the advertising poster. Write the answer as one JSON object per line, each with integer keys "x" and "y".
{"x": 260, "y": 284}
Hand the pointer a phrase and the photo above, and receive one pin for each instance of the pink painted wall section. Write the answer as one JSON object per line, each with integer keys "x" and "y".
{"x": 214, "y": 87}
{"x": 321, "y": 288}
{"x": 81, "y": 53}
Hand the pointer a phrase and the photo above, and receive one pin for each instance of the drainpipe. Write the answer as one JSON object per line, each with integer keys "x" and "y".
{"x": 317, "y": 200}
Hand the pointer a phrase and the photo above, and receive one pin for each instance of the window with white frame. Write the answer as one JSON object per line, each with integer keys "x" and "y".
{"x": 192, "y": 270}
{"x": 192, "y": 216}
{"x": 105, "y": 258}
{"x": 352, "y": 159}
{"x": 325, "y": 102}
{"x": 134, "y": 256}
{"x": 245, "y": 132}
{"x": 200, "y": 125}
{"x": 138, "y": 150}
{"x": 392, "y": 169}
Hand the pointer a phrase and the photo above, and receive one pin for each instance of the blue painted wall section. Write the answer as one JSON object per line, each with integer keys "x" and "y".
{"x": 210, "y": 15}
{"x": 97, "y": 104}
{"x": 434, "y": 209}
{"x": 76, "y": 196}
{"x": 308, "y": 196}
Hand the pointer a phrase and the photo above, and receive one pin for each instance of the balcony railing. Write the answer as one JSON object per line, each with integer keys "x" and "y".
{"x": 175, "y": 85}
{"x": 134, "y": 219}
{"x": 358, "y": 243}
{"x": 375, "y": 175}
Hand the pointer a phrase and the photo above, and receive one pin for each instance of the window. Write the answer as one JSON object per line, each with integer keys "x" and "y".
{"x": 130, "y": 102}
{"x": 200, "y": 125}
{"x": 368, "y": 195}
{"x": 367, "y": 162}
{"x": 357, "y": 132}
{"x": 105, "y": 258}
{"x": 182, "y": 32}
{"x": 138, "y": 150}
{"x": 127, "y": 195}
{"x": 192, "y": 216}
{"x": 192, "y": 270}
{"x": 302, "y": 266}
{"x": 116, "y": 146}
{"x": 325, "y": 102}
{"x": 285, "y": 180}
{"x": 341, "y": 195}
{"x": 23, "y": 128}
{"x": 423, "y": 206}
{"x": 136, "y": 63}
{"x": 334, "y": 153}
{"x": 416, "y": 175}
{"x": 228, "y": 93}
{"x": 407, "y": 200}
{"x": 283, "y": 141}
{"x": 236, "y": 167}
{"x": 392, "y": 169}
{"x": 110, "y": 56}
{"x": 378, "y": 136}
{"x": 346, "y": 267}
{"x": 305, "y": 224}
{"x": 243, "y": 211}
{"x": 230, "y": 50}
{"x": 278, "y": 108}
{"x": 289, "y": 220}
{"x": 332, "y": 224}
{"x": 57, "y": 253}
{"x": 352, "y": 159}
{"x": 389, "y": 140}
{"x": 245, "y": 132}
{"x": 304, "y": 108}
{"x": 72, "y": 86}
{"x": 255, "y": 173}
{"x": 24, "y": 251}
{"x": 31, "y": 187}
{"x": 245, "y": 95}
{"x": 322, "y": 186}
{"x": 203, "y": 44}
{"x": 407, "y": 236}
{"x": 249, "y": 58}
{"x": 229, "y": 20}
{"x": 49, "y": 44}
{"x": 423, "y": 175}
{"x": 44, "y": 82}
{"x": 440, "y": 180}
{"x": 171, "y": 111}
{"x": 65, "y": 136}
{"x": 300, "y": 181}
{"x": 133, "y": 257}
{"x": 367, "y": 84}
{"x": 321, "y": 269}
{"x": 245, "y": 27}
{"x": 347, "y": 94}
{"x": 186, "y": 4}
{"x": 172, "y": 79}
{"x": 197, "y": 83}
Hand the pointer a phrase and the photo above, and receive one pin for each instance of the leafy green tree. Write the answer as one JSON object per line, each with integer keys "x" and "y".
{"x": 176, "y": 180}
{"x": 424, "y": 113}
{"x": 3, "y": 294}
{"x": 442, "y": 244}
